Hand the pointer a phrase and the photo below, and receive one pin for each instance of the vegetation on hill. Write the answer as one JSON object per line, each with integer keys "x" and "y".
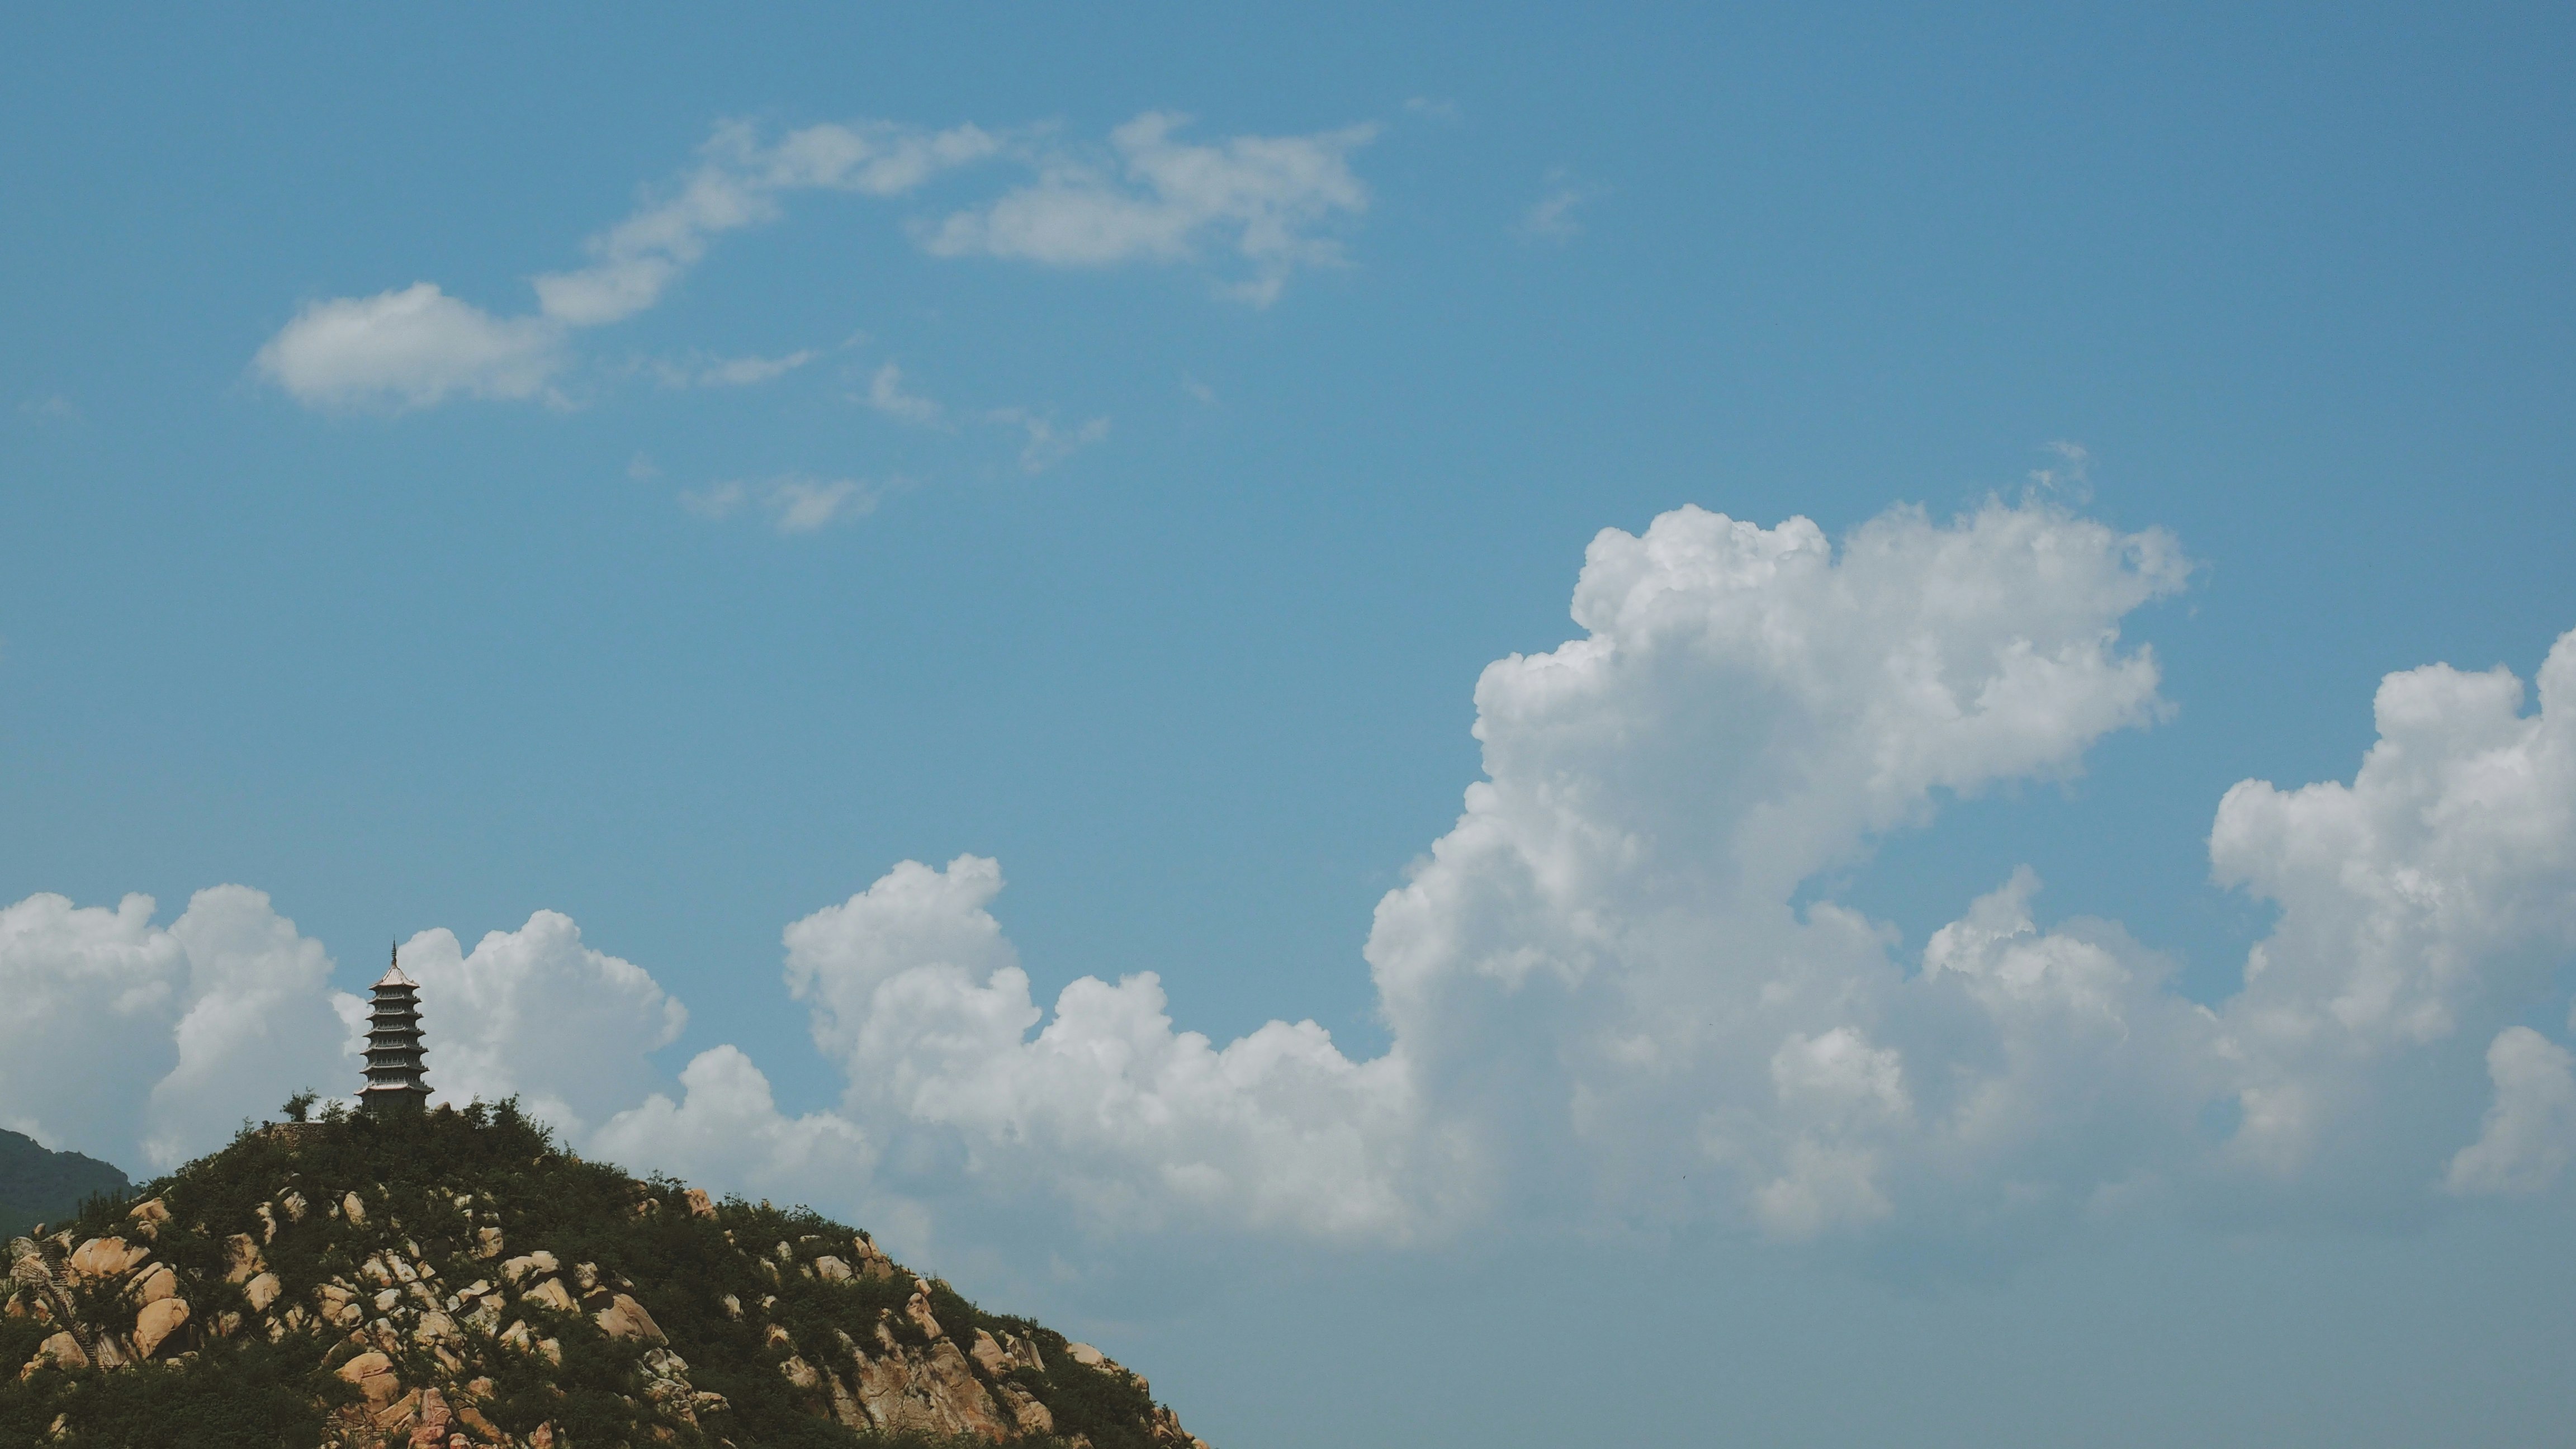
{"x": 454, "y": 1278}
{"x": 37, "y": 1185}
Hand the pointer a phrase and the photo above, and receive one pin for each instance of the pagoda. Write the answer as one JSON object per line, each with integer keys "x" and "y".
{"x": 393, "y": 1046}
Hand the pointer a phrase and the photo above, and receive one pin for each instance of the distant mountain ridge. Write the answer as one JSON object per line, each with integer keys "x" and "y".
{"x": 453, "y": 1280}
{"x": 39, "y": 1185}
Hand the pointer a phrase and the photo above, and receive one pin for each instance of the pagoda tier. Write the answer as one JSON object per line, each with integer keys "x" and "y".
{"x": 393, "y": 1047}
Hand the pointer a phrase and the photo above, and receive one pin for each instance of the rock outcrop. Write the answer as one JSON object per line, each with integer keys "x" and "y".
{"x": 470, "y": 1288}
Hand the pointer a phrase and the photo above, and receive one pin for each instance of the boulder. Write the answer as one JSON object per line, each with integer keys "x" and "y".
{"x": 148, "y": 1216}
{"x": 294, "y": 1204}
{"x": 241, "y": 1257}
{"x": 989, "y": 1355}
{"x": 487, "y": 1243}
{"x": 831, "y": 1269}
{"x": 354, "y": 1210}
{"x": 262, "y": 1291}
{"x": 157, "y": 1322}
{"x": 373, "y": 1373}
{"x": 626, "y": 1318}
{"x": 540, "y": 1262}
{"x": 700, "y": 1205}
{"x": 60, "y": 1351}
{"x": 106, "y": 1258}
{"x": 153, "y": 1284}
{"x": 551, "y": 1293}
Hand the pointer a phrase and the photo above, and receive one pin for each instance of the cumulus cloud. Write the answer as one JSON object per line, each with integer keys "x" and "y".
{"x": 2430, "y": 895}
{"x": 538, "y": 1014}
{"x": 920, "y": 999}
{"x": 144, "y": 1044}
{"x": 1616, "y": 990}
{"x": 2531, "y": 1129}
{"x": 1271, "y": 200}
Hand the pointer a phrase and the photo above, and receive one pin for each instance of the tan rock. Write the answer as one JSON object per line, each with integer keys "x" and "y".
{"x": 541, "y": 1263}
{"x": 148, "y": 1216}
{"x": 295, "y": 1206}
{"x": 989, "y": 1355}
{"x": 353, "y": 1209}
{"x": 241, "y": 1257}
{"x": 551, "y": 1293}
{"x": 154, "y": 1284}
{"x": 917, "y": 1308}
{"x": 700, "y": 1205}
{"x": 732, "y": 1307}
{"x": 487, "y": 1243}
{"x": 831, "y": 1269}
{"x": 626, "y": 1318}
{"x": 435, "y": 1328}
{"x": 158, "y": 1320}
{"x": 106, "y": 1258}
{"x": 544, "y": 1438}
{"x": 1085, "y": 1355}
{"x": 1031, "y": 1416}
{"x": 262, "y": 1291}
{"x": 552, "y": 1348}
{"x": 60, "y": 1351}
{"x": 267, "y": 1223}
{"x": 797, "y": 1371}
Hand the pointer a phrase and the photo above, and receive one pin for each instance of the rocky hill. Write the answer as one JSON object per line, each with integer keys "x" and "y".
{"x": 453, "y": 1279}
{"x": 36, "y": 1184}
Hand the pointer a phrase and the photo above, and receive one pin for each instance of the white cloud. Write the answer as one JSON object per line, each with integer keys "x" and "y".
{"x": 418, "y": 346}
{"x": 886, "y": 395}
{"x": 145, "y": 1045}
{"x": 922, "y": 1001}
{"x": 736, "y": 185}
{"x": 409, "y": 348}
{"x": 743, "y": 371}
{"x": 1616, "y": 990}
{"x": 1444, "y": 111}
{"x": 2531, "y": 1129}
{"x": 794, "y": 502}
{"x": 2431, "y": 894}
{"x": 536, "y": 1013}
{"x": 1045, "y": 445}
{"x": 1271, "y": 199}
{"x": 1552, "y": 217}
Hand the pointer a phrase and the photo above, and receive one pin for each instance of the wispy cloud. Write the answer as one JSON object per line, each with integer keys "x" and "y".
{"x": 1552, "y": 218}
{"x": 793, "y": 503}
{"x": 885, "y": 394}
{"x": 416, "y": 346}
{"x": 1272, "y": 200}
{"x": 1437, "y": 109}
{"x": 52, "y": 407}
{"x": 748, "y": 371}
{"x": 1046, "y": 444}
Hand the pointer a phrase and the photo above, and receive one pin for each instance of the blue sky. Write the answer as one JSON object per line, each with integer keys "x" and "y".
{"x": 1116, "y": 446}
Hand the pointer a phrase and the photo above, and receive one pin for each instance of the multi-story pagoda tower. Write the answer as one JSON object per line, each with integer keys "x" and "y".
{"x": 393, "y": 1046}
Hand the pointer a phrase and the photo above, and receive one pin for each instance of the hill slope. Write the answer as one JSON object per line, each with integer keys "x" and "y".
{"x": 454, "y": 1280}
{"x": 36, "y": 1184}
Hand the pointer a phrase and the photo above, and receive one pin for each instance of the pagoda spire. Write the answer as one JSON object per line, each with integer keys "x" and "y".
{"x": 393, "y": 1044}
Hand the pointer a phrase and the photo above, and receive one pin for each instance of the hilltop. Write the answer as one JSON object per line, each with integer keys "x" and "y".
{"x": 37, "y": 1183}
{"x": 454, "y": 1280}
